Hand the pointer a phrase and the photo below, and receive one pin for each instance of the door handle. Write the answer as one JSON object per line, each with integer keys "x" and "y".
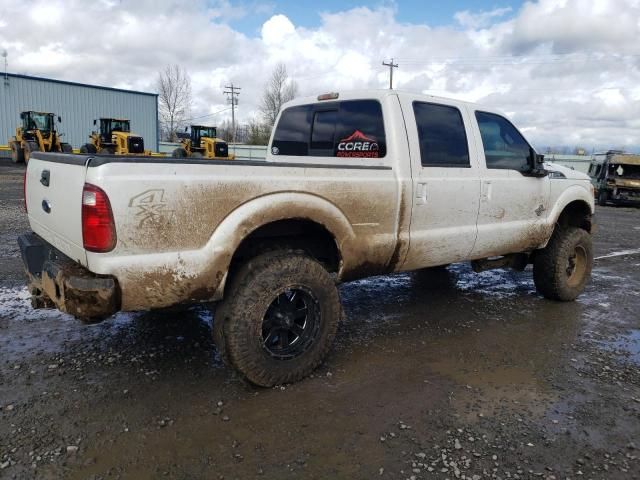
{"x": 486, "y": 191}
{"x": 421, "y": 194}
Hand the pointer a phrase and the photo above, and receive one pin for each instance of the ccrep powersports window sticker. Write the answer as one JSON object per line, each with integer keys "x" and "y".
{"x": 358, "y": 145}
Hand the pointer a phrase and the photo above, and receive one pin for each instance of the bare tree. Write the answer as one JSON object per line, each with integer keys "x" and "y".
{"x": 279, "y": 90}
{"x": 174, "y": 99}
{"x": 258, "y": 132}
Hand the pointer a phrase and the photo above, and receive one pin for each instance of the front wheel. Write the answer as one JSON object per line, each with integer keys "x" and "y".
{"x": 29, "y": 148}
{"x": 279, "y": 318}
{"x": 66, "y": 148}
{"x": 562, "y": 269}
{"x": 17, "y": 155}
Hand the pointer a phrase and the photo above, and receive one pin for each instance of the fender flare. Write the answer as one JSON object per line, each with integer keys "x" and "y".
{"x": 571, "y": 194}
{"x": 260, "y": 211}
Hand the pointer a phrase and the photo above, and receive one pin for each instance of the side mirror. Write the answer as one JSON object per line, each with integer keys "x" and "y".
{"x": 59, "y": 119}
{"x": 95, "y": 122}
{"x": 185, "y": 129}
{"x": 536, "y": 164}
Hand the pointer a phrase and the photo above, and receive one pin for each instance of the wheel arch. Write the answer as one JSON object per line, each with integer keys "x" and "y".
{"x": 290, "y": 218}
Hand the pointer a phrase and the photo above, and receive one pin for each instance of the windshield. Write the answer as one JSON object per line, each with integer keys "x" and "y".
{"x": 120, "y": 126}
{"x": 624, "y": 171}
{"x": 206, "y": 132}
{"x": 39, "y": 121}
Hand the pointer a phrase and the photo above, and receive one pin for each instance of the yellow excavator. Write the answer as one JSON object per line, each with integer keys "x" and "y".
{"x": 114, "y": 138}
{"x": 36, "y": 134}
{"x": 203, "y": 142}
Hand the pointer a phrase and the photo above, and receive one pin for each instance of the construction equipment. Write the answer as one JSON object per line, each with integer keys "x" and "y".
{"x": 37, "y": 134}
{"x": 203, "y": 142}
{"x": 114, "y": 138}
{"x": 615, "y": 176}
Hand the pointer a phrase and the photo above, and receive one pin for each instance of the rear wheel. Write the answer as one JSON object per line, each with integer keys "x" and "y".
{"x": 88, "y": 148}
{"x": 29, "y": 148}
{"x": 180, "y": 153}
{"x": 562, "y": 268}
{"x": 109, "y": 151}
{"x": 196, "y": 155}
{"x": 279, "y": 318}
{"x": 17, "y": 155}
{"x": 603, "y": 196}
{"x": 66, "y": 148}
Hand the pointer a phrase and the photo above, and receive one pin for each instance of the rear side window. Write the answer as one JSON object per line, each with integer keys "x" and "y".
{"x": 292, "y": 134}
{"x": 443, "y": 140}
{"x": 349, "y": 129}
{"x": 504, "y": 146}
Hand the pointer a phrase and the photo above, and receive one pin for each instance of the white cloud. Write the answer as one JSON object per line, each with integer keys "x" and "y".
{"x": 469, "y": 19}
{"x": 567, "y": 70}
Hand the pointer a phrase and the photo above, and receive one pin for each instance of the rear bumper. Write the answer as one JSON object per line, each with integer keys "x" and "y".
{"x": 56, "y": 281}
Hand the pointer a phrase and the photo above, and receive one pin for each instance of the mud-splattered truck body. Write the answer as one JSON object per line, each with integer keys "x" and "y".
{"x": 355, "y": 184}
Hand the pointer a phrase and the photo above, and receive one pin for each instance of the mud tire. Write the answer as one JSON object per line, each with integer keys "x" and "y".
{"x": 551, "y": 265}
{"x": 238, "y": 319}
{"x": 179, "y": 153}
{"x": 29, "y": 148}
{"x": 88, "y": 148}
{"x": 17, "y": 155}
{"x": 603, "y": 197}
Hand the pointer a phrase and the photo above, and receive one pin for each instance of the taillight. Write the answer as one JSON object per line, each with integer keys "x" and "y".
{"x": 98, "y": 227}
{"x": 24, "y": 190}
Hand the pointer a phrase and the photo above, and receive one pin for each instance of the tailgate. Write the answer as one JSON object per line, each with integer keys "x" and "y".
{"x": 54, "y": 185}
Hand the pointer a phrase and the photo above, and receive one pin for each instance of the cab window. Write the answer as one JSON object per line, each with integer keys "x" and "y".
{"x": 443, "y": 140}
{"x": 347, "y": 129}
{"x": 504, "y": 147}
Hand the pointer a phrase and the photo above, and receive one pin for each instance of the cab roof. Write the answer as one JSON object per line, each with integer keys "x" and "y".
{"x": 379, "y": 94}
{"x": 625, "y": 159}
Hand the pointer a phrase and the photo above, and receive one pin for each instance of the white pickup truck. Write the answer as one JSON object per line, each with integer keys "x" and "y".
{"x": 355, "y": 184}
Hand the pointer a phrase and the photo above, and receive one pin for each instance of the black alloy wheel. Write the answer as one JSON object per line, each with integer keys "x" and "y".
{"x": 291, "y": 323}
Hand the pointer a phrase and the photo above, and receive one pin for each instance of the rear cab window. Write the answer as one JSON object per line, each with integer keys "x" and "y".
{"x": 343, "y": 130}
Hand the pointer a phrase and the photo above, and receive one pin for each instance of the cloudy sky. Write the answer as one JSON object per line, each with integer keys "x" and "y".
{"x": 566, "y": 71}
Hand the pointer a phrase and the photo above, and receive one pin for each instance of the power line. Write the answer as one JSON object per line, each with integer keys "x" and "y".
{"x": 209, "y": 114}
{"x": 232, "y": 97}
{"x": 391, "y": 66}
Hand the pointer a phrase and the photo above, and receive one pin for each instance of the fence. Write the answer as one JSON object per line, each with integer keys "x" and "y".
{"x": 242, "y": 152}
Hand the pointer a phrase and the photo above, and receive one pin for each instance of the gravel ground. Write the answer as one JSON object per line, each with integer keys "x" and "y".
{"x": 440, "y": 374}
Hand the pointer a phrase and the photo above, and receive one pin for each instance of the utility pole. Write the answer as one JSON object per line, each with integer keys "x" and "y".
{"x": 6, "y": 76}
{"x": 391, "y": 66}
{"x": 232, "y": 98}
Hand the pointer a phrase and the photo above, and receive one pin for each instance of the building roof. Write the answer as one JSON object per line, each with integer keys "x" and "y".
{"x": 78, "y": 84}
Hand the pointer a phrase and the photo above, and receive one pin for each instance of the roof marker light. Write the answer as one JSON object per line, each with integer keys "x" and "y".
{"x": 328, "y": 96}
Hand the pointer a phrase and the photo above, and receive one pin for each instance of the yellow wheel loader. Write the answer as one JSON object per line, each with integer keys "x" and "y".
{"x": 114, "y": 138}
{"x": 36, "y": 134}
{"x": 203, "y": 143}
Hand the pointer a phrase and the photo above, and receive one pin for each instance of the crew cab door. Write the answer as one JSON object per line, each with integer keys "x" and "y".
{"x": 446, "y": 185}
{"x": 513, "y": 205}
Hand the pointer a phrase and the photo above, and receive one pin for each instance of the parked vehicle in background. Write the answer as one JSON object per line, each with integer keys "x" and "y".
{"x": 616, "y": 177}
{"x": 114, "y": 138}
{"x": 354, "y": 184}
{"x": 203, "y": 142}
{"x": 36, "y": 134}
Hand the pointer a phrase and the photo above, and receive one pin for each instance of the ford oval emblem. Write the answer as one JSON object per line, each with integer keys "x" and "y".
{"x": 275, "y": 150}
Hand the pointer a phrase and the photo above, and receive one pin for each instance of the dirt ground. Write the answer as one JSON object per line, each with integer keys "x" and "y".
{"x": 441, "y": 374}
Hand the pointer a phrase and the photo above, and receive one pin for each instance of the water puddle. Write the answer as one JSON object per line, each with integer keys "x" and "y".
{"x": 627, "y": 346}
